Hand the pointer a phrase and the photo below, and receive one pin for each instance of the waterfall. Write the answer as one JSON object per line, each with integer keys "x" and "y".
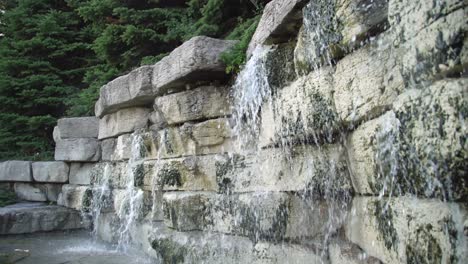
{"x": 251, "y": 90}
{"x": 131, "y": 205}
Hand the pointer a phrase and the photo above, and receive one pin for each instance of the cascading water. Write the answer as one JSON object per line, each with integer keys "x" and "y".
{"x": 101, "y": 197}
{"x": 251, "y": 90}
{"x": 252, "y": 93}
{"x": 131, "y": 202}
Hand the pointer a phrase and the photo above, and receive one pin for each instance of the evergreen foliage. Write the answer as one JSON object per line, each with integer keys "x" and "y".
{"x": 56, "y": 54}
{"x": 44, "y": 55}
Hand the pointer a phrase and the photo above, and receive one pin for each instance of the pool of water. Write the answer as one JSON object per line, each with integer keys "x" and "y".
{"x": 74, "y": 247}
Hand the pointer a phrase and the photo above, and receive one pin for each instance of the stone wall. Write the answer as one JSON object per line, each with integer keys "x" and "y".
{"x": 359, "y": 141}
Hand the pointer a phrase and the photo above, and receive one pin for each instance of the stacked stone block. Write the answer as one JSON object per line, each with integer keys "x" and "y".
{"x": 362, "y": 143}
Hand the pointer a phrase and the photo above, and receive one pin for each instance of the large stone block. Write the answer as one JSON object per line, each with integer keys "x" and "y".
{"x": 321, "y": 170}
{"x": 117, "y": 149}
{"x": 107, "y": 149}
{"x": 37, "y": 192}
{"x": 196, "y": 247}
{"x": 417, "y": 148}
{"x": 133, "y": 89}
{"x": 279, "y": 22}
{"x": 367, "y": 82}
{"x": 50, "y": 171}
{"x": 16, "y": 170}
{"x": 198, "y": 59}
{"x": 301, "y": 112}
{"x": 272, "y": 216}
{"x": 133, "y": 204}
{"x": 78, "y": 149}
{"x": 80, "y": 173}
{"x": 203, "y": 103}
{"x": 430, "y": 36}
{"x": 113, "y": 174}
{"x": 26, "y": 218}
{"x": 77, "y": 127}
{"x": 344, "y": 252}
{"x": 407, "y": 230}
{"x": 209, "y": 137}
{"x": 185, "y": 211}
{"x": 123, "y": 121}
{"x": 195, "y": 173}
{"x": 333, "y": 28}
{"x": 75, "y": 197}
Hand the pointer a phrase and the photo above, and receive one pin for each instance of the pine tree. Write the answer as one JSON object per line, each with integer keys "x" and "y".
{"x": 44, "y": 55}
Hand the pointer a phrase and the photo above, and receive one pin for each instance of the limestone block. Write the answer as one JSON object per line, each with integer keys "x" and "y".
{"x": 367, "y": 82}
{"x": 318, "y": 169}
{"x": 126, "y": 200}
{"x": 209, "y": 137}
{"x": 417, "y": 148}
{"x": 50, "y": 171}
{"x": 123, "y": 147}
{"x": 333, "y": 28}
{"x": 185, "y": 211}
{"x": 117, "y": 149}
{"x": 157, "y": 120}
{"x": 344, "y": 252}
{"x": 75, "y": 197}
{"x": 77, "y": 127}
{"x": 113, "y": 174}
{"x": 24, "y": 218}
{"x": 124, "y": 121}
{"x": 15, "y": 170}
{"x": 279, "y": 65}
{"x": 212, "y": 132}
{"x": 195, "y": 173}
{"x": 430, "y": 37}
{"x": 407, "y": 230}
{"x": 272, "y": 216}
{"x": 278, "y": 23}
{"x": 202, "y": 103}
{"x": 220, "y": 248}
{"x": 133, "y": 89}
{"x": 37, "y": 192}
{"x": 78, "y": 149}
{"x": 301, "y": 112}
{"x": 198, "y": 59}
{"x": 80, "y": 173}
{"x": 107, "y": 149}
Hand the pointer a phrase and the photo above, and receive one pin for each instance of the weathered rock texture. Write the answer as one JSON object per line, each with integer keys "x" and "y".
{"x": 50, "y": 171}
{"x": 37, "y": 192}
{"x": 344, "y": 142}
{"x": 198, "y": 59}
{"x": 124, "y": 121}
{"x": 279, "y": 22}
{"x": 78, "y": 149}
{"x": 36, "y": 217}
{"x": 198, "y": 104}
{"x": 133, "y": 89}
{"x": 16, "y": 171}
{"x": 77, "y": 127}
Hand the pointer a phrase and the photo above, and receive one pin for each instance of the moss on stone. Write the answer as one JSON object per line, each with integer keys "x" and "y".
{"x": 384, "y": 217}
{"x": 170, "y": 251}
{"x": 425, "y": 248}
{"x": 170, "y": 176}
{"x": 138, "y": 174}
